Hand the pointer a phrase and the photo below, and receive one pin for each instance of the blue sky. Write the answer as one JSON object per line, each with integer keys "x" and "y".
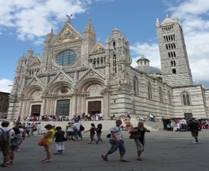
{"x": 24, "y": 23}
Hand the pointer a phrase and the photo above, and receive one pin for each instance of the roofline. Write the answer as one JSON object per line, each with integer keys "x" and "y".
{"x": 149, "y": 76}
{"x": 196, "y": 85}
{"x": 4, "y": 92}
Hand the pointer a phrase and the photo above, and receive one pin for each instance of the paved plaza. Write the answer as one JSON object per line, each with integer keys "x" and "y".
{"x": 164, "y": 151}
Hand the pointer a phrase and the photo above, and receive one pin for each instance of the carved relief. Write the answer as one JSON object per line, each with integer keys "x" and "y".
{"x": 94, "y": 90}
{"x": 98, "y": 48}
{"x": 68, "y": 35}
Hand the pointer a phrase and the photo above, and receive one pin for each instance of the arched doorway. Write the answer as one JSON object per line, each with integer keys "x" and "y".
{"x": 58, "y": 101}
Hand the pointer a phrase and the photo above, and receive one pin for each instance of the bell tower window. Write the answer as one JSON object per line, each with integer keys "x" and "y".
{"x": 114, "y": 64}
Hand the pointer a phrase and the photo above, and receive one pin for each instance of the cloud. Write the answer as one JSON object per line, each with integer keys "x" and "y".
{"x": 5, "y": 85}
{"x": 149, "y": 50}
{"x": 193, "y": 15}
{"x": 33, "y": 19}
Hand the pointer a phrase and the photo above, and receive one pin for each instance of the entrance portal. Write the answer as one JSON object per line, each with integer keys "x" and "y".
{"x": 35, "y": 110}
{"x": 188, "y": 115}
{"x": 63, "y": 107}
{"x": 94, "y": 107}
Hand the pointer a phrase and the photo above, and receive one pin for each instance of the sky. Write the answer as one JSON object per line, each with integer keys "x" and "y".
{"x": 24, "y": 24}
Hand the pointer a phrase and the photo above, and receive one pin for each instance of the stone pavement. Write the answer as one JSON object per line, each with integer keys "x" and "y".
{"x": 164, "y": 151}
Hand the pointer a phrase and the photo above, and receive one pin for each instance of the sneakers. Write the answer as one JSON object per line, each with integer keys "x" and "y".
{"x": 195, "y": 142}
{"x": 139, "y": 159}
{"x": 46, "y": 160}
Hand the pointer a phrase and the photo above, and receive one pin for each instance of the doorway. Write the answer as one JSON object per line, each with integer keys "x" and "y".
{"x": 94, "y": 107}
{"x": 35, "y": 110}
{"x": 63, "y": 107}
{"x": 188, "y": 115}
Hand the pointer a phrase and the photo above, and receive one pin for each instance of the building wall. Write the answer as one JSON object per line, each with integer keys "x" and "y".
{"x": 206, "y": 93}
{"x": 197, "y": 107}
{"x": 4, "y": 104}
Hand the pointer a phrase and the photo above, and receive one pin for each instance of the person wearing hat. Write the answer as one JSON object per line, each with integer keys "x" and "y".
{"x": 138, "y": 135}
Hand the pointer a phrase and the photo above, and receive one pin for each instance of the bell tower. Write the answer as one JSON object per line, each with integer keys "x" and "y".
{"x": 118, "y": 52}
{"x": 175, "y": 67}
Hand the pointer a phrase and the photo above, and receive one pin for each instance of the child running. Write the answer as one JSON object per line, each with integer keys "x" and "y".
{"x": 92, "y": 131}
{"x": 138, "y": 134}
{"x": 59, "y": 140}
{"x": 99, "y": 133}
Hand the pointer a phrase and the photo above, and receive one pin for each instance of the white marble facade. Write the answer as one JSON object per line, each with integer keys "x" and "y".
{"x": 78, "y": 75}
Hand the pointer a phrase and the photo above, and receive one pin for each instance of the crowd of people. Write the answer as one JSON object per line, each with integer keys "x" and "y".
{"x": 83, "y": 116}
{"x": 12, "y": 138}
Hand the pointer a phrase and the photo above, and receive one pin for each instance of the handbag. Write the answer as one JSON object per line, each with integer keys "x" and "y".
{"x": 42, "y": 142}
{"x": 108, "y": 136}
{"x": 82, "y": 128}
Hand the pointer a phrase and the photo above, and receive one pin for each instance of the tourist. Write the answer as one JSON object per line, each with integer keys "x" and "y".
{"x": 46, "y": 142}
{"x": 138, "y": 134}
{"x": 5, "y": 138}
{"x": 59, "y": 140}
{"x": 92, "y": 131}
{"x": 99, "y": 133}
{"x": 16, "y": 140}
{"x": 77, "y": 129}
{"x": 193, "y": 125}
{"x": 116, "y": 142}
{"x": 70, "y": 131}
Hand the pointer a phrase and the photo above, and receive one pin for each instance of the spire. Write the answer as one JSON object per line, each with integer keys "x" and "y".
{"x": 30, "y": 53}
{"x": 52, "y": 31}
{"x": 89, "y": 27}
{"x": 157, "y": 22}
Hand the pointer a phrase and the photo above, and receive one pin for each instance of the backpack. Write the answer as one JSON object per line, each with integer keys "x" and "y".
{"x": 16, "y": 140}
{"x": 4, "y": 138}
{"x": 82, "y": 128}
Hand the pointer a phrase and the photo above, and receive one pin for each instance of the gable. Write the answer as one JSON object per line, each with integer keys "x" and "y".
{"x": 67, "y": 34}
{"x": 91, "y": 73}
{"x": 98, "y": 48}
{"x": 61, "y": 76}
{"x": 35, "y": 81}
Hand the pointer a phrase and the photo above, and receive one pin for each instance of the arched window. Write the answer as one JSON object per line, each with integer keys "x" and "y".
{"x": 136, "y": 86}
{"x": 186, "y": 99}
{"x": 114, "y": 63}
{"x": 66, "y": 57}
{"x": 174, "y": 70}
{"x": 114, "y": 44}
{"x": 149, "y": 87}
{"x": 161, "y": 95}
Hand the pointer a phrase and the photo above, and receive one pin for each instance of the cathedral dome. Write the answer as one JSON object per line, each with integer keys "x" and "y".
{"x": 150, "y": 70}
{"x": 143, "y": 65}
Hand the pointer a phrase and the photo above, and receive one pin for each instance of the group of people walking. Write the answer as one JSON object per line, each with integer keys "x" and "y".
{"x": 117, "y": 141}
{"x": 12, "y": 138}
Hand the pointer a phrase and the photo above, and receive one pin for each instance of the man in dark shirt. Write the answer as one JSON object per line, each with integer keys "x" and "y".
{"x": 193, "y": 125}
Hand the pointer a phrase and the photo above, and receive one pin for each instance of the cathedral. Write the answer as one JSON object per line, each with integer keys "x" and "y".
{"x": 76, "y": 75}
